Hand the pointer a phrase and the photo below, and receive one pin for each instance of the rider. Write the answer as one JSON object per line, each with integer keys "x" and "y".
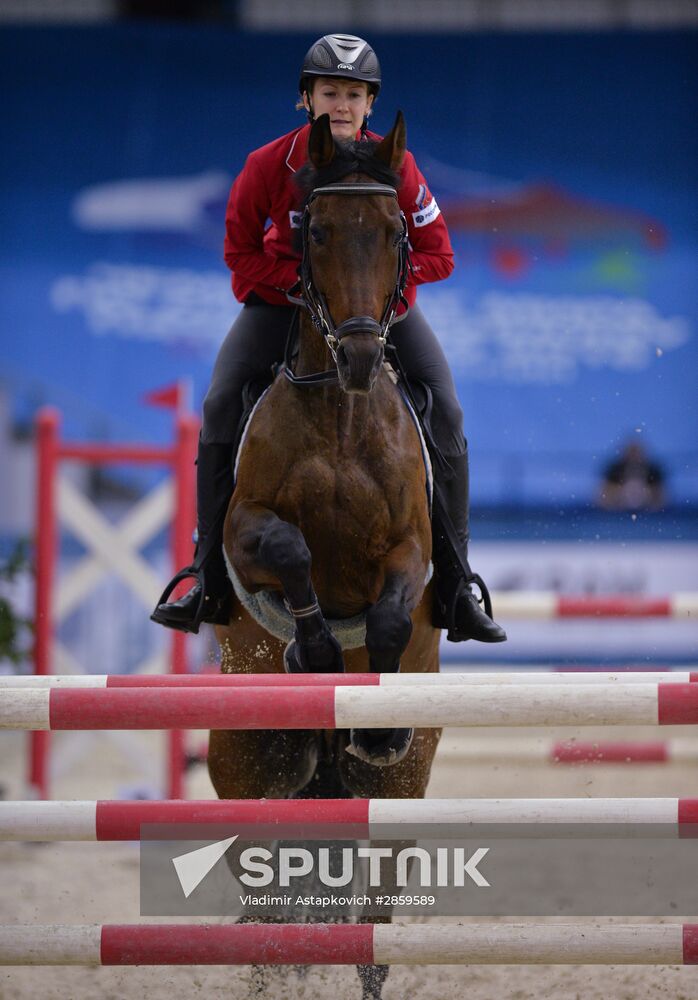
{"x": 341, "y": 77}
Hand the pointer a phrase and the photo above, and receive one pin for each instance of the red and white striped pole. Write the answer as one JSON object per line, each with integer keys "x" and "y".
{"x": 205, "y": 680}
{"x": 349, "y": 707}
{"x": 545, "y": 605}
{"x": 539, "y": 751}
{"x": 47, "y": 441}
{"x": 322, "y": 819}
{"x": 350, "y": 944}
{"x": 184, "y": 521}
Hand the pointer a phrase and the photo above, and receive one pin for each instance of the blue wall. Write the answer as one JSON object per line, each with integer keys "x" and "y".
{"x": 566, "y": 167}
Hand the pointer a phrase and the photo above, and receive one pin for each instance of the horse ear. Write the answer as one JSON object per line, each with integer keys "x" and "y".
{"x": 320, "y": 143}
{"x": 392, "y": 149}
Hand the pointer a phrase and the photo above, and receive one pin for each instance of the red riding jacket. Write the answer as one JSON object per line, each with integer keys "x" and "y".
{"x": 263, "y": 210}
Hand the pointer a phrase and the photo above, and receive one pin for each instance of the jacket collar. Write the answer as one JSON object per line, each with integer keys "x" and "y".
{"x": 298, "y": 153}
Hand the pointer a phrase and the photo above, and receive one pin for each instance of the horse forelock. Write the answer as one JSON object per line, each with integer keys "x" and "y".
{"x": 350, "y": 158}
{"x": 355, "y": 157}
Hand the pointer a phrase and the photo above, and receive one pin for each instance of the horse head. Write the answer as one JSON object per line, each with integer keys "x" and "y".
{"x": 354, "y": 247}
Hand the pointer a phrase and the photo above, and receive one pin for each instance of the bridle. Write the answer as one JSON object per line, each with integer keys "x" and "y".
{"x": 314, "y": 300}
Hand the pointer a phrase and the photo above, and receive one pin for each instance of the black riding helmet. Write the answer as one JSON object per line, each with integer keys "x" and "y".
{"x": 342, "y": 55}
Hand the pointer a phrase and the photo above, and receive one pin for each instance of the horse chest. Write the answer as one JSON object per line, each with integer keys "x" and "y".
{"x": 336, "y": 472}
{"x": 341, "y": 493}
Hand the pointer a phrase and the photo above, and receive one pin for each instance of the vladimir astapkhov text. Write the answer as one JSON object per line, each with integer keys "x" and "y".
{"x": 333, "y": 900}
{"x": 267, "y": 899}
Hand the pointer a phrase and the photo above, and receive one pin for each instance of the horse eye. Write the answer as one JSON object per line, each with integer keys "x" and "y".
{"x": 397, "y": 239}
{"x": 316, "y": 234}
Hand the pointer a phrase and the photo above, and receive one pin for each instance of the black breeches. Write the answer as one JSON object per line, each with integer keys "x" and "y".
{"x": 422, "y": 357}
{"x": 256, "y": 341}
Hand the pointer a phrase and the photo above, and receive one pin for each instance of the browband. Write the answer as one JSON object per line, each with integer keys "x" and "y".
{"x": 353, "y": 189}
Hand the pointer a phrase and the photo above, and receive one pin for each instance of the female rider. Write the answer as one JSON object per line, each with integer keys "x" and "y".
{"x": 340, "y": 77}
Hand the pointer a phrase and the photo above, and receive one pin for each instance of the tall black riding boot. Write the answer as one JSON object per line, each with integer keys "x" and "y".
{"x": 456, "y": 607}
{"x": 210, "y": 598}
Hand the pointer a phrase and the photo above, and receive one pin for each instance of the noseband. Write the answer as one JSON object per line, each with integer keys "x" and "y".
{"x": 314, "y": 300}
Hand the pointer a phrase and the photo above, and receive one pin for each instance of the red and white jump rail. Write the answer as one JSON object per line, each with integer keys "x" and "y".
{"x": 321, "y": 818}
{"x": 350, "y": 707}
{"x": 341, "y": 680}
{"x": 537, "y": 605}
{"x": 513, "y": 751}
{"x": 350, "y": 944}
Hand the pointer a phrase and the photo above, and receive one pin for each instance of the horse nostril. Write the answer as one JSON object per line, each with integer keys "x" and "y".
{"x": 358, "y": 359}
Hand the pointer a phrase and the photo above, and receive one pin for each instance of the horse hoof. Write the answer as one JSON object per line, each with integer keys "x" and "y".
{"x": 380, "y": 747}
{"x": 321, "y": 657}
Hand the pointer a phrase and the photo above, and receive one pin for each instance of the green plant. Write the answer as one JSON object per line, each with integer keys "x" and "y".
{"x": 14, "y": 629}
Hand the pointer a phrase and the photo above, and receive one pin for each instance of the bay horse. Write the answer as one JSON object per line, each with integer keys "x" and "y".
{"x": 330, "y": 508}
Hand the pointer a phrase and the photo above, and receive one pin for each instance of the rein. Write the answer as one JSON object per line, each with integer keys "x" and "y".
{"x": 314, "y": 301}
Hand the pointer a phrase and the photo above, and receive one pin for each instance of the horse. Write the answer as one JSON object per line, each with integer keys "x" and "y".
{"x": 330, "y": 511}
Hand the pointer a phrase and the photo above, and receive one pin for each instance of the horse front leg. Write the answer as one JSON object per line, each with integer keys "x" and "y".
{"x": 267, "y": 552}
{"x": 388, "y": 631}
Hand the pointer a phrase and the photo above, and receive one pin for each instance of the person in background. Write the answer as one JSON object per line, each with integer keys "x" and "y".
{"x": 633, "y": 481}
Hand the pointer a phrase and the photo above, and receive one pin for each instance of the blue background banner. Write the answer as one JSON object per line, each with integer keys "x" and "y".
{"x": 566, "y": 167}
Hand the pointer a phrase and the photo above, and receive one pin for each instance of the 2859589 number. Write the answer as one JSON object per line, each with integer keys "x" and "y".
{"x": 408, "y": 900}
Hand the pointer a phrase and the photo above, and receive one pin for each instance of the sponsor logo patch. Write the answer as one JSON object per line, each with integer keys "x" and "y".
{"x": 426, "y": 215}
{"x": 295, "y": 219}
